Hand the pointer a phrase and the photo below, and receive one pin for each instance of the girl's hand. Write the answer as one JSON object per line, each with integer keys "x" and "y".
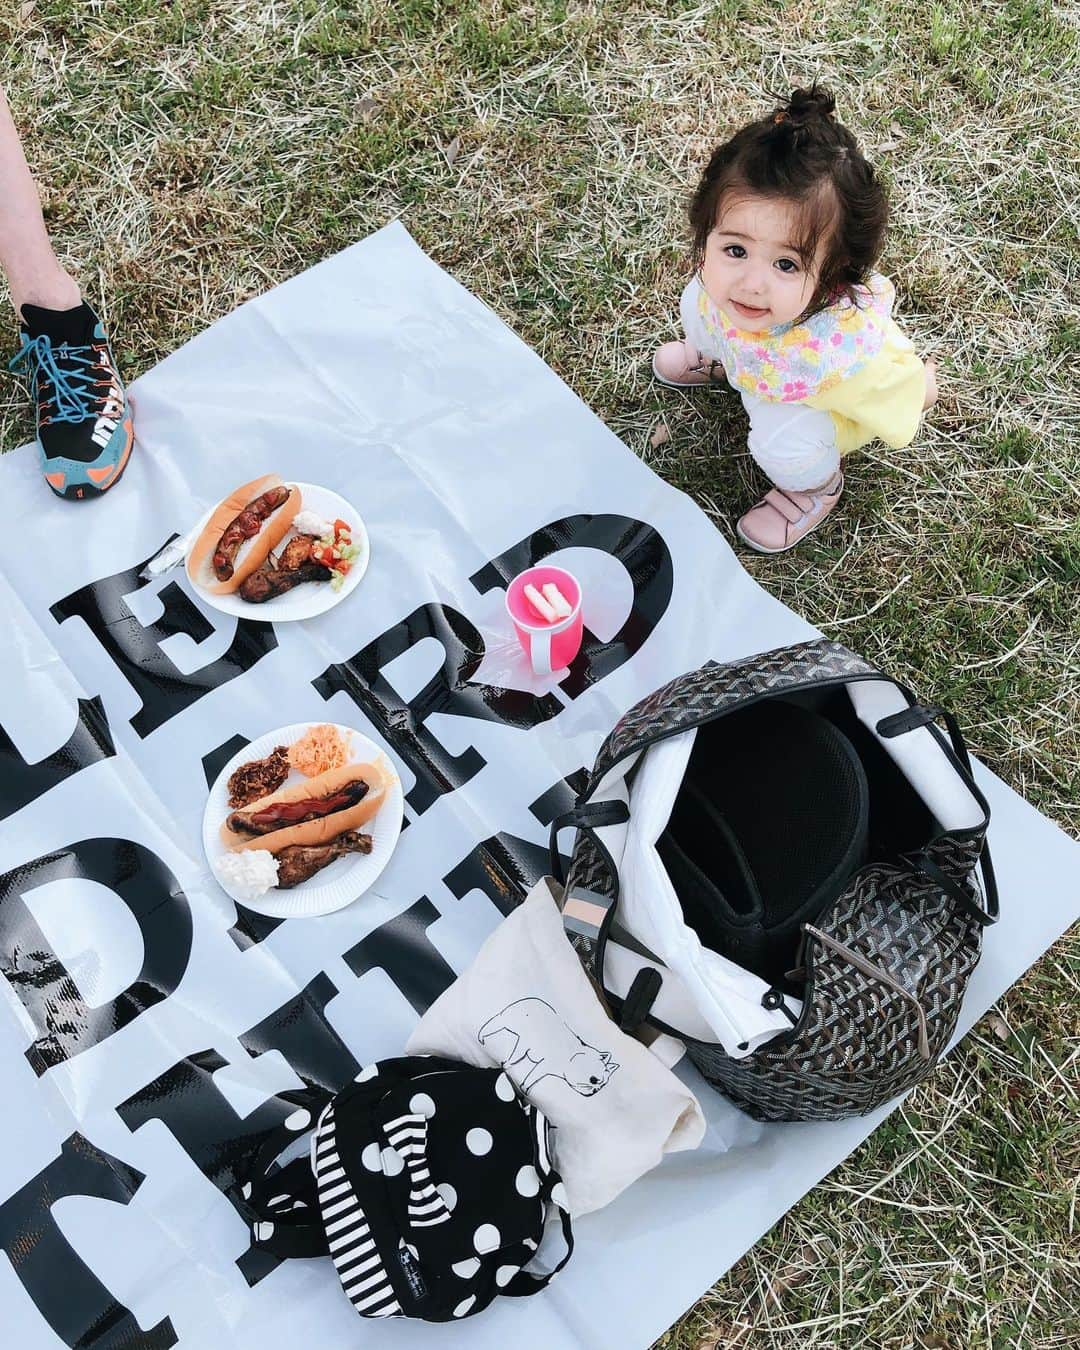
{"x": 930, "y": 372}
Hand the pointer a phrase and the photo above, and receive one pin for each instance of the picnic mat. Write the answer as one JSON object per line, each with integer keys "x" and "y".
{"x": 149, "y": 1026}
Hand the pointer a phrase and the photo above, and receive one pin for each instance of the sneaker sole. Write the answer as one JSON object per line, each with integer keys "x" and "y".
{"x": 79, "y": 492}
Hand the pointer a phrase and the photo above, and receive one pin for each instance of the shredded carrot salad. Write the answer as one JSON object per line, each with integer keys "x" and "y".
{"x": 321, "y": 749}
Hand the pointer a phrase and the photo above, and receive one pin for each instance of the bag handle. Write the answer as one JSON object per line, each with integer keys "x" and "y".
{"x": 587, "y": 916}
{"x": 587, "y": 816}
{"x": 963, "y": 897}
{"x": 924, "y": 715}
{"x": 282, "y": 1202}
{"x": 525, "y": 1282}
{"x": 802, "y": 665}
{"x": 286, "y": 1200}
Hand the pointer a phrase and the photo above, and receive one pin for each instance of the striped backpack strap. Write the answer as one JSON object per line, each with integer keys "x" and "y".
{"x": 309, "y": 1208}
{"x": 287, "y": 1207}
{"x": 348, "y": 1236}
{"x": 408, "y": 1135}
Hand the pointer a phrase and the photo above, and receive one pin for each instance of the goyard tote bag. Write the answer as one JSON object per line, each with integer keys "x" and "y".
{"x": 775, "y": 862}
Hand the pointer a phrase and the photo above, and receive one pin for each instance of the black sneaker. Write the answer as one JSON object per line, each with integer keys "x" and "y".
{"x": 84, "y": 432}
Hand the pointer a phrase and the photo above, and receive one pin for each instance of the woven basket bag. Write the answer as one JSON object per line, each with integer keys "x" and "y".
{"x": 886, "y": 965}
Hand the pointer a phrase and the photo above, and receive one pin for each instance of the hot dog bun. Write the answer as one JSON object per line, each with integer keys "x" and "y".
{"x": 324, "y": 829}
{"x": 253, "y": 552}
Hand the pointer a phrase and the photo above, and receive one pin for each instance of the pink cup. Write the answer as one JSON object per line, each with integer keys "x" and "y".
{"x": 549, "y": 646}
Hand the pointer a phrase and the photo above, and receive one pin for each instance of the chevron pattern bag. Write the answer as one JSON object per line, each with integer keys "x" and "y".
{"x": 775, "y": 862}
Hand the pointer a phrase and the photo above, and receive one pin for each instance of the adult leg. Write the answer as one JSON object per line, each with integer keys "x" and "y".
{"x": 84, "y": 431}
{"x": 26, "y": 255}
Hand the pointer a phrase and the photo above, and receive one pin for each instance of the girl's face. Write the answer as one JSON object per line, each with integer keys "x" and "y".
{"x": 752, "y": 270}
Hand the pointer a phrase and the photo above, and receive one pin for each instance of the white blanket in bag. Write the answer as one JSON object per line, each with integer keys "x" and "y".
{"x": 702, "y": 994}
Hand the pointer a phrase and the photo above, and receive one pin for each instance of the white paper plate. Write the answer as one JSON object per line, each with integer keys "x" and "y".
{"x": 346, "y": 879}
{"x": 311, "y": 597}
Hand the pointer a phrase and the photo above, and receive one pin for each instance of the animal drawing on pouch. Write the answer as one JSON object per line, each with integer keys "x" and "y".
{"x": 538, "y": 1044}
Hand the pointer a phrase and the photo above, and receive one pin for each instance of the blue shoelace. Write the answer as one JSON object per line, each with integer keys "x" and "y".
{"x": 74, "y": 388}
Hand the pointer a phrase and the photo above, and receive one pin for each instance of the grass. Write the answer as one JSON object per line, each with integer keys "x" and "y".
{"x": 192, "y": 154}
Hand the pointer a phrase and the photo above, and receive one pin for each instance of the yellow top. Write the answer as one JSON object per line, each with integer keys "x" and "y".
{"x": 849, "y": 360}
{"x": 884, "y": 400}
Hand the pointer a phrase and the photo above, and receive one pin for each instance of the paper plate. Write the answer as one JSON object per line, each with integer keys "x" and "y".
{"x": 311, "y": 597}
{"x": 346, "y": 879}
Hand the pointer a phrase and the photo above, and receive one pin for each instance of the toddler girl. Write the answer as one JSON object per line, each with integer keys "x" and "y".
{"x": 788, "y": 221}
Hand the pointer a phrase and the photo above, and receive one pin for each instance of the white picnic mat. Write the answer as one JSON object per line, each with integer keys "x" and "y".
{"x": 147, "y": 1026}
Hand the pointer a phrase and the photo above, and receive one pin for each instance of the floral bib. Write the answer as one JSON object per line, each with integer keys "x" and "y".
{"x": 798, "y": 361}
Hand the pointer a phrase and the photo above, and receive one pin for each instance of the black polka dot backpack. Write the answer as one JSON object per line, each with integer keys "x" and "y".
{"x": 429, "y": 1185}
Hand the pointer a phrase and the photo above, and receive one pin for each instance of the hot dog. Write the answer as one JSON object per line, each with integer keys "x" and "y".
{"x": 241, "y": 532}
{"x": 313, "y": 812}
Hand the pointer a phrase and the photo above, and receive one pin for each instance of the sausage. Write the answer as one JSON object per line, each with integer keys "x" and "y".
{"x": 246, "y": 526}
{"x": 322, "y": 828}
{"x": 277, "y": 815}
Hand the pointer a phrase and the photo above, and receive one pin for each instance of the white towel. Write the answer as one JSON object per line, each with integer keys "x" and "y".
{"x": 526, "y": 1003}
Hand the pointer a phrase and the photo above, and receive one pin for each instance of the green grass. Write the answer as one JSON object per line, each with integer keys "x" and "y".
{"x": 193, "y": 154}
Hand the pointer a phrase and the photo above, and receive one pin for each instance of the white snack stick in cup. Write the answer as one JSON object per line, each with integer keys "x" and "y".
{"x": 557, "y": 600}
{"x": 540, "y": 604}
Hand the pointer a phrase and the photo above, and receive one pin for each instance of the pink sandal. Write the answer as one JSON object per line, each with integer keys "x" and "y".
{"x": 681, "y": 366}
{"x": 783, "y": 517}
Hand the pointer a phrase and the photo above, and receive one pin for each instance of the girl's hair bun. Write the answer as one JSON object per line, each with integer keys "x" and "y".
{"x": 806, "y": 106}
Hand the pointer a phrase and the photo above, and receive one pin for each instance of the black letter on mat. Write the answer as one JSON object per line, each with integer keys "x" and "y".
{"x": 65, "y": 1025}
{"x": 403, "y": 949}
{"x": 22, "y": 783}
{"x": 136, "y": 648}
{"x": 69, "y": 1296}
{"x": 506, "y": 867}
{"x": 450, "y": 690}
{"x": 221, "y": 1144}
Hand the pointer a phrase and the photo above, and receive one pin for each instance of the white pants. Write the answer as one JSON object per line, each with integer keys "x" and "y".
{"x": 793, "y": 445}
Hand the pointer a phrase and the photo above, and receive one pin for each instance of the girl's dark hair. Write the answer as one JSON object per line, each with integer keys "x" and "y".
{"x": 801, "y": 153}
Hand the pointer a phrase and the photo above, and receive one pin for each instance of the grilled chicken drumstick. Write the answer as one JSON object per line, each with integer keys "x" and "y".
{"x": 295, "y": 553}
{"x": 270, "y": 581}
{"x": 300, "y": 862}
